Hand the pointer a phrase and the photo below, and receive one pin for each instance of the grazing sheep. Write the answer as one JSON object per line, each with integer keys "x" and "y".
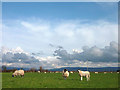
{"x": 96, "y": 72}
{"x": 105, "y": 72}
{"x": 38, "y": 71}
{"x": 56, "y": 72}
{"x": 117, "y": 72}
{"x": 65, "y": 73}
{"x": 15, "y": 73}
{"x": 18, "y": 73}
{"x": 84, "y": 74}
{"x": 71, "y": 72}
{"x": 44, "y": 72}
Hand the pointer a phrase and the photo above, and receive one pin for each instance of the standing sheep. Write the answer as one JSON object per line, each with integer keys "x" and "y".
{"x": 105, "y": 72}
{"x": 38, "y": 71}
{"x": 96, "y": 72}
{"x": 18, "y": 73}
{"x": 65, "y": 73}
{"x": 71, "y": 72}
{"x": 84, "y": 74}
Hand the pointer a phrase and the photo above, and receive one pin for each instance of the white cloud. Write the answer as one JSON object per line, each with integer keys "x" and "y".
{"x": 67, "y": 33}
{"x": 47, "y": 62}
{"x": 37, "y": 35}
{"x": 94, "y": 54}
{"x": 36, "y": 28}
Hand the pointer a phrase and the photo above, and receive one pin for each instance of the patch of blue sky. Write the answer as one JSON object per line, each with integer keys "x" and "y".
{"x": 61, "y": 10}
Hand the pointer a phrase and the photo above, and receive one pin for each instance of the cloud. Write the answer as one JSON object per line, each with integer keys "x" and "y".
{"x": 19, "y": 58}
{"x": 56, "y": 46}
{"x": 15, "y": 55}
{"x": 35, "y": 28}
{"x": 51, "y": 45}
{"x": 94, "y": 54}
{"x": 67, "y": 33}
{"x": 42, "y": 38}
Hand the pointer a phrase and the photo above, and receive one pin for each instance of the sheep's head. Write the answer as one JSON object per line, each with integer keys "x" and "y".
{"x": 79, "y": 70}
{"x": 65, "y": 70}
{"x": 12, "y": 75}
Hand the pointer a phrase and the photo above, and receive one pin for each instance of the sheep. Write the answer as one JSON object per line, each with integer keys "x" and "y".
{"x": 71, "y": 72}
{"x": 65, "y": 73}
{"x": 117, "y": 72}
{"x": 15, "y": 73}
{"x": 18, "y": 73}
{"x": 96, "y": 72}
{"x": 105, "y": 72}
{"x": 44, "y": 72}
{"x": 85, "y": 74}
{"x": 38, "y": 71}
{"x": 56, "y": 72}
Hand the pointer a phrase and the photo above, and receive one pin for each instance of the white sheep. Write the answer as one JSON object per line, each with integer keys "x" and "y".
{"x": 56, "y": 72}
{"x": 96, "y": 72}
{"x": 105, "y": 72}
{"x": 38, "y": 71}
{"x": 15, "y": 73}
{"x": 44, "y": 72}
{"x": 84, "y": 74}
{"x": 18, "y": 73}
{"x": 65, "y": 73}
{"x": 71, "y": 72}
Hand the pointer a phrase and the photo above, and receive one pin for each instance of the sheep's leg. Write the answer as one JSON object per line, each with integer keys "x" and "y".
{"x": 87, "y": 78}
{"x": 65, "y": 78}
{"x": 81, "y": 78}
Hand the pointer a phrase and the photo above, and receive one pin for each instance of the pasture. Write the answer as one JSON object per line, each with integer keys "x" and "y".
{"x": 55, "y": 80}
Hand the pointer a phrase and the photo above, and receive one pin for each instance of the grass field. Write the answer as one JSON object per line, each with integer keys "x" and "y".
{"x": 55, "y": 80}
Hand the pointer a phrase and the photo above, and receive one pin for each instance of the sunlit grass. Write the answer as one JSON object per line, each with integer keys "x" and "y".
{"x": 55, "y": 80}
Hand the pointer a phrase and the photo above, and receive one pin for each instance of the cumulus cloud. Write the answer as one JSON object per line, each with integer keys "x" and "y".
{"x": 19, "y": 58}
{"x": 51, "y": 36}
{"x": 15, "y": 55}
{"x": 67, "y": 33}
{"x": 94, "y": 54}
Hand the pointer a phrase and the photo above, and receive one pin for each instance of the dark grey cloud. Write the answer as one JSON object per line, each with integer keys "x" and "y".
{"x": 38, "y": 53}
{"x": 12, "y": 58}
{"x": 51, "y": 45}
{"x": 94, "y": 54}
{"x": 60, "y": 47}
{"x": 56, "y": 46}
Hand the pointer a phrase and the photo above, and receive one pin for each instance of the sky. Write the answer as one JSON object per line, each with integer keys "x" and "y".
{"x": 64, "y": 34}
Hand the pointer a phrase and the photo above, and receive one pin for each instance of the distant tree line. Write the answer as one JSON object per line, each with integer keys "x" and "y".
{"x": 4, "y": 69}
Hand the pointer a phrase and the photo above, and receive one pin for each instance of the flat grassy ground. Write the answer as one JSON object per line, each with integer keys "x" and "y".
{"x": 55, "y": 80}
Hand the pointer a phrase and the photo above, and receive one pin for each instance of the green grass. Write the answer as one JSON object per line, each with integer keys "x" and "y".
{"x": 55, "y": 80}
